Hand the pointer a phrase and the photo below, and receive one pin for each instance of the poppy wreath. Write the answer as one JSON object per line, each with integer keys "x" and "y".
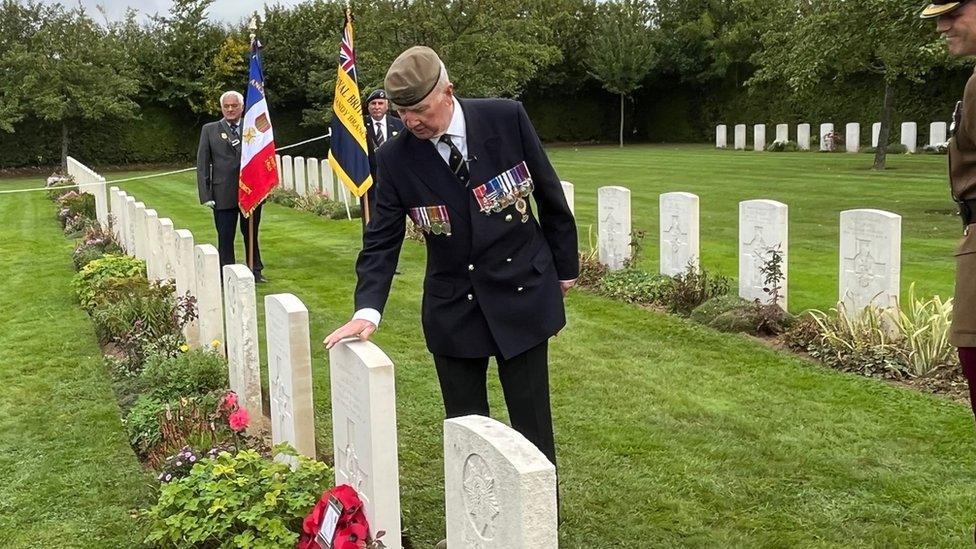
{"x": 352, "y": 530}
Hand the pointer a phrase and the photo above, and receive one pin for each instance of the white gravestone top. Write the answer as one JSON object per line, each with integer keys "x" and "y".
{"x": 290, "y": 374}
{"x": 679, "y": 235}
{"x": 762, "y": 229}
{"x": 613, "y": 204}
{"x": 870, "y": 259}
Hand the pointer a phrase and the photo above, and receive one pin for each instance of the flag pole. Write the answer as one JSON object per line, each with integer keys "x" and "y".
{"x": 253, "y": 26}
{"x": 365, "y": 196}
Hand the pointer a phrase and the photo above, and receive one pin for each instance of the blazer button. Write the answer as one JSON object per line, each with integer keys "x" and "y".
{"x": 508, "y": 260}
{"x": 519, "y": 289}
{"x": 470, "y": 267}
{"x": 508, "y": 217}
{"x": 470, "y": 297}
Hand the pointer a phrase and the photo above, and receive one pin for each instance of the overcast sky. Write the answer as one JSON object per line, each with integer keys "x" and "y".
{"x": 228, "y": 11}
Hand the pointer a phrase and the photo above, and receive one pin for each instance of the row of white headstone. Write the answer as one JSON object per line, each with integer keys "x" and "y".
{"x": 852, "y": 136}
{"x": 500, "y": 490}
{"x": 870, "y": 245}
{"x": 308, "y": 176}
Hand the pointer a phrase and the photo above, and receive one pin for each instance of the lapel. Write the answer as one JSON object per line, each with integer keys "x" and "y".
{"x": 225, "y": 129}
{"x": 480, "y": 142}
{"x": 431, "y": 170}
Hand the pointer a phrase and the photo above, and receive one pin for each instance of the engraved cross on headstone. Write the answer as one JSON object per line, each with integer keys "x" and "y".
{"x": 347, "y": 462}
{"x": 677, "y": 238}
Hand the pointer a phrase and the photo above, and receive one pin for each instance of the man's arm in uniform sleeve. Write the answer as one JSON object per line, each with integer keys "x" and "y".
{"x": 558, "y": 224}
{"x": 204, "y": 162}
{"x": 381, "y": 244}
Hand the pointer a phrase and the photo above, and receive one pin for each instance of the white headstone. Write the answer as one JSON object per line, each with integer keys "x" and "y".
{"x": 209, "y": 302}
{"x": 875, "y": 133}
{"x": 115, "y": 212}
{"x": 740, "y": 137}
{"x": 290, "y": 374}
{"x": 937, "y": 133}
{"x": 364, "y": 431}
{"x": 243, "y": 358}
{"x": 167, "y": 249}
{"x": 782, "y": 132}
{"x": 803, "y": 137}
{"x": 128, "y": 225}
{"x": 759, "y": 137}
{"x": 138, "y": 221}
{"x": 870, "y": 259}
{"x": 300, "y": 187}
{"x": 570, "y": 193}
{"x": 909, "y": 136}
{"x": 101, "y": 202}
{"x": 825, "y": 129}
{"x": 280, "y": 172}
{"x": 721, "y": 136}
{"x": 679, "y": 232}
{"x": 852, "y": 139}
{"x": 328, "y": 179}
{"x": 500, "y": 490}
{"x": 288, "y": 173}
{"x": 613, "y": 226}
{"x": 763, "y": 228}
{"x": 186, "y": 280}
{"x": 314, "y": 175}
{"x": 151, "y": 223}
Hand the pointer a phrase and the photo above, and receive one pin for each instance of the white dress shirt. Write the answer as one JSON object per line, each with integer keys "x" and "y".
{"x": 379, "y": 126}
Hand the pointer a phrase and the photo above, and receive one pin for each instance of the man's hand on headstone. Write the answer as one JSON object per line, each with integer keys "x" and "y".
{"x": 356, "y": 327}
{"x": 210, "y": 204}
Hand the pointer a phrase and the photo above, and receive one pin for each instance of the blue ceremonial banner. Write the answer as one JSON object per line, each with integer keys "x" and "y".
{"x": 347, "y": 152}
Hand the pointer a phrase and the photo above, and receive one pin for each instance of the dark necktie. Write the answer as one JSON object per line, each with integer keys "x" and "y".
{"x": 233, "y": 131}
{"x": 379, "y": 135}
{"x": 456, "y": 161}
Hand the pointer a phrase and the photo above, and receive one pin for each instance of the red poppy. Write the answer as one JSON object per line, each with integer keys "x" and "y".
{"x": 352, "y": 530}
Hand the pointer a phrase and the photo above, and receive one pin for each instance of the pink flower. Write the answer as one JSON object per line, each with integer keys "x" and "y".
{"x": 238, "y": 420}
{"x": 230, "y": 401}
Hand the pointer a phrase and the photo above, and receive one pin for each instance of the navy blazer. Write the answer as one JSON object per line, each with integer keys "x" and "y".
{"x": 492, "y": 285}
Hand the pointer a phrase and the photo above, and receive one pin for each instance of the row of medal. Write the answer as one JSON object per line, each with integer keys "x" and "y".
{"x": 512, "y": 186}
{"x": 432, "y": 219}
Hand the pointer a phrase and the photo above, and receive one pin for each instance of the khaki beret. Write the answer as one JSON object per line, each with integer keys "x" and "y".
{"x": 412, "y": 76}
{"x": 939, "y": 7}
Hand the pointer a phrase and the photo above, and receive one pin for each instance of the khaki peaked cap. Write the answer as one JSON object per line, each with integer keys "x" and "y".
{"x": 412, "y": 76}
{"x": 940, "y": 7}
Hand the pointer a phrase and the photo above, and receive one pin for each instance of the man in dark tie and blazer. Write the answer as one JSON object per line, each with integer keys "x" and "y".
{"x": 497, "y": 271}
{"x": 380, "y": 128}
{"x": 218, "y": 173}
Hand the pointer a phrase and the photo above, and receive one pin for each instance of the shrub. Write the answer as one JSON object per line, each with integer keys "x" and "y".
{"x": 692, "y": 288}
{"x": 238, "y": 500}
{"x": 924, "y": 330}
{"x": 58, "y": 185}
{"x": 94, "y": 245}
{"x": 283, "y": 196}
{"x": 893, "y": 148}
{"x": 635, "y": 286}
{"x": 861, "y": 342}
{"x": 192, "y": 373}
{"x": 142, "y": 423}
{"x": 938, "y": 148}
{"x": 709, "y": 310}
{"x": 192, "y": 421}
{"x": 782, "y": 146}
{"x": 95, "y": 275}
{"x": 78, "y": 204}
{"x": 591, "y": 270}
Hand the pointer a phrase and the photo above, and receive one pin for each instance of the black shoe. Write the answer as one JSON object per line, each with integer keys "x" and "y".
{"x": 259, "y": 278}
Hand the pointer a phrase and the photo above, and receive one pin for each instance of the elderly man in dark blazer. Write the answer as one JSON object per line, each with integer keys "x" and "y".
{"x": 218, "y": 173}
{"x": 497, "y": 271}
{"x": 380, "y": 128}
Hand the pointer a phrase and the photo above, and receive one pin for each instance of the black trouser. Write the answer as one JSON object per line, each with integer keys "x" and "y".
{"x": 226, "y": 223}
{"x": 525, "y": 382}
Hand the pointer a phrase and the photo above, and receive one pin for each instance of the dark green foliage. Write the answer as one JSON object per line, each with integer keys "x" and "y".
{"x": 93, "y": 245}
{"x": 635, "y": 286}
{"x": 711, "y": 309}
{"x": 78, "y": 204}
{"x": 142, "y": 423}
{"x": 92, "y": 280}
{"x": 190, "y": 373}
{"x": 692, "y": 288}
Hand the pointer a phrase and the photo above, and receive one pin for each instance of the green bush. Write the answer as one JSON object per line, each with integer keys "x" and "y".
{"x": 93, "y": 245}
{"x": 692, "y": 288}
{"x": 78, "y": 204}
{"x": 58, "y": 185}
{"x": 95, "y": 275}
{"x": 142, "y": 423}
{"x": 635, "y": 286}
{"x": 191, "y": 373}
{"x": 861, "y": 342}
{"x": 709, "y": 310}
{"x": 893, "y": 148}
{"x": 924, "y": 334}
{"x": 241, "y": 500}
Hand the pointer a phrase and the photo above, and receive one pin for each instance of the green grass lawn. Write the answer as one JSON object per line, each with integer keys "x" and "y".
{"x": 668, "y": 434}
{"x": 67, "y": 474}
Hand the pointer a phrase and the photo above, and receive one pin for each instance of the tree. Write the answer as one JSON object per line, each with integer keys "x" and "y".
{"x": 620, "y": 52}
{"x": 67, "y": 70}
{"x": 807, "y": 42}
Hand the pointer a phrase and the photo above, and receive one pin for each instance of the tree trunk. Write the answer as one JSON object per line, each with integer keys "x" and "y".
{"x": 885, "y": 131}
{"x": 621, "y": 121}
{"x": 64, "y": 147}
